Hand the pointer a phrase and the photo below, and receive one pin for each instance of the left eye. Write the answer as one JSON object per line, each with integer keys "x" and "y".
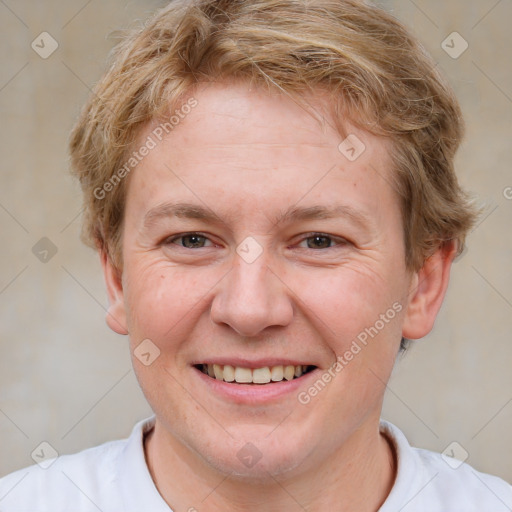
{"x": 191, "y": 241}
{"x": 318, "y": 241}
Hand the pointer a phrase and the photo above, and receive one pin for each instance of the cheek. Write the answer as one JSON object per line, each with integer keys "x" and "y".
{"x": 342, "y": 303}
{"x": 162, "y": 300}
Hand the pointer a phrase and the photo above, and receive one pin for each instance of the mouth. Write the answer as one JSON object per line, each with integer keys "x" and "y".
{"x": 257, "y": 376}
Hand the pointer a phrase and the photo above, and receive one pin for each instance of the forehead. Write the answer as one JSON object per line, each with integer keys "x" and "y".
{"x": 235, "y": 111}
{"x": 239, "y": 143}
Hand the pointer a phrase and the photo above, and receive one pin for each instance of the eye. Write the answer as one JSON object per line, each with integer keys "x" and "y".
{"x": 320, "y": 241}
{"x": 190, "y": 241}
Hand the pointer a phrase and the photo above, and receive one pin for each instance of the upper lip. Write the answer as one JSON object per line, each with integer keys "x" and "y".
{"x": 253, "y": 363}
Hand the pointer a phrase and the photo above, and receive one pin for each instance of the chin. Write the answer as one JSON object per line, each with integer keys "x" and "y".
{"x": 254, "y": 455}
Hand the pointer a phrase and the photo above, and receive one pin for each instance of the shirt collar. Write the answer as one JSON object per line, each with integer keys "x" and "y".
{"x": 410, "y": 473}
{"x": 140, "y": 493}
{"x": 137, "y": 487}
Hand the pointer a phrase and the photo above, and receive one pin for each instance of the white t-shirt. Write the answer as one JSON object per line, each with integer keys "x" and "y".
{"x": 114, "y": 477}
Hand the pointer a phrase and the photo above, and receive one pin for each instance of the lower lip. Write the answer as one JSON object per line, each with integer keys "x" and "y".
{"x": 255, "y": 393}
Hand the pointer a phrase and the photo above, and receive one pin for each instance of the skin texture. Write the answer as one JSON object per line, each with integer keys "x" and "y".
{"x": 248, "y": 156}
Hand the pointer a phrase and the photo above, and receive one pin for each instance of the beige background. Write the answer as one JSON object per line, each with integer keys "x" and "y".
{"x": 66, "y": 379}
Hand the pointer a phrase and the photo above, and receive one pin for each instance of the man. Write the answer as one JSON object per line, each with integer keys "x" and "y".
{"x": 270, "y": 187}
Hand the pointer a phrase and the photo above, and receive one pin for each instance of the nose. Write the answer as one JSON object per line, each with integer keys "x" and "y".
{"x": 251, "y": 298}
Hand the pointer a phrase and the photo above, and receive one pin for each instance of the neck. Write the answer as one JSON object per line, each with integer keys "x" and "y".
{"x": 357, "y": 476}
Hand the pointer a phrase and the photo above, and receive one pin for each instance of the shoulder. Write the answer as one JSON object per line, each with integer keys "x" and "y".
{"x": 428, "y": 481}
{"x": 66, "y": 481}
{"x": 462, "y": 486}
{"x": 99, "y": 478}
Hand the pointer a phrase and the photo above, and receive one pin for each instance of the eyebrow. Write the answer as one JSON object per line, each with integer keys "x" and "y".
{"x": 195, "y": 211}
{"x": 181, "y": 210}
{"x": 323, "y": 212}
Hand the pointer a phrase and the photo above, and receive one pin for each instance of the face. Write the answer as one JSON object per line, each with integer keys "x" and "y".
{"x": 252, "y": 244}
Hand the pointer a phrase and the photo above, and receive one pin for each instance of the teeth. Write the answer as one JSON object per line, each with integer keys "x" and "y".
{"x": 228, "y": 373}
{"x": 289, "y": 372}
{"x": 217, "y": 370}
{"x": 276, "y": 373}
{"x": 243, "y": 375}
{"x": 263, "y": 375}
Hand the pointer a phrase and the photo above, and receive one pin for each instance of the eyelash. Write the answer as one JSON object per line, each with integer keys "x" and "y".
{"x": 172, "y": 240}
{"x": 337, "y": 241}
{"x": 333, "y": 240}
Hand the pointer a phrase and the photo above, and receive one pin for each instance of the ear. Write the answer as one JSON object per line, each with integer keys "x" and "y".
{"x": 116, "y": 313}
{"x": 428, "y": 288}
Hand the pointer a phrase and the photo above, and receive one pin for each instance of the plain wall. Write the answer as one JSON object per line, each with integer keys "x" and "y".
{"x": 66, "y": 379}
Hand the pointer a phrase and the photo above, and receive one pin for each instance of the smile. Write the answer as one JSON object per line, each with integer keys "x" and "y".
{"x": 264, "y": 375}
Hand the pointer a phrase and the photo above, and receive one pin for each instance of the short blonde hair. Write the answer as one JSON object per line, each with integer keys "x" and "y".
{"x": 376, "y": 72}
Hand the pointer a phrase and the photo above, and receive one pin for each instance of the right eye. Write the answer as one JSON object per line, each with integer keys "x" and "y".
{"x": 190, "y": 241}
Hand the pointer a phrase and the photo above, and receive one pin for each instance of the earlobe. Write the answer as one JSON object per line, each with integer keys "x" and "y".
{"x": 116, "y": 313}
{"x": 428, "y": 288}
